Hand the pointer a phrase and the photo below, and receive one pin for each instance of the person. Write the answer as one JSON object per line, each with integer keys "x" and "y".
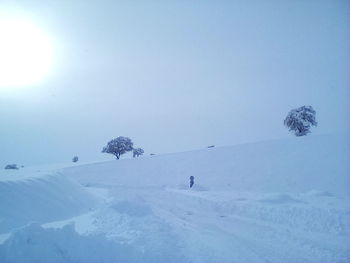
{"x": 191, "y": 181}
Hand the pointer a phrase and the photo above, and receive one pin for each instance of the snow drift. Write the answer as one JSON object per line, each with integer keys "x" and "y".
{"x": 41, "y": 199}
{"x": 35, "y": 243}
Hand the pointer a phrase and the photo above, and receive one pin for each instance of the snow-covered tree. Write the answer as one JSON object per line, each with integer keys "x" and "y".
{"x": 75, "y": 159}
{"x": 300, "y": 120}
{"x": 137, "y": 152}
{"x": 118, "y": 146}
{"x": 11, "y": 166}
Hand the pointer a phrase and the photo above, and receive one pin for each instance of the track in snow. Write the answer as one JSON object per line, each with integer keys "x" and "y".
{"x": 205, "y": 226}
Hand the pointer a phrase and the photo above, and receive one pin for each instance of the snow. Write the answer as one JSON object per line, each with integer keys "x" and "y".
{"x": 275, "y": 201}
{"x": 36, "y": 244}
{"x": 41, "y": 199}
{"x": 296, "y": 165}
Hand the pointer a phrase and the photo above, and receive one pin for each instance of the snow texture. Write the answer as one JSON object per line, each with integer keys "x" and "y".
{"x": 277, "y": 201}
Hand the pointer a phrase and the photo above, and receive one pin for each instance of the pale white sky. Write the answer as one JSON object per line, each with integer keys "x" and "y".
{"x": 176, "y": 75}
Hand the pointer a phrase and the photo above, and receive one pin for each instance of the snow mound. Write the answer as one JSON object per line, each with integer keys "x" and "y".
{"x": 34, "y": 244}
{"x": 41, "y": 199}
{"x": 195, "y": 187}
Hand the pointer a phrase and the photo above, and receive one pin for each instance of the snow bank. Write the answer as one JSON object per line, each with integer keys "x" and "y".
{"x": 41, "y": 199}
{"x": 36, "y": 244}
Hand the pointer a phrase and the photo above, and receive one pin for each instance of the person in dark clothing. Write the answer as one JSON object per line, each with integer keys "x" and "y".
{"x": 191, "y": 181}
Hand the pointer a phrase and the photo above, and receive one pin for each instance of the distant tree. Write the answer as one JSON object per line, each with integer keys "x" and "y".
{"x": 118, "y": 146}
{"x": 75, "y": 159}
{"x": 300, "y": 120}
{"x": 137, "y": 152}
{"x": 11, "y": 166}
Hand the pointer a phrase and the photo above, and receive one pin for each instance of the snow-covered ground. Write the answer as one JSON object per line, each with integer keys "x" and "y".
{"x": 276, "y": 201}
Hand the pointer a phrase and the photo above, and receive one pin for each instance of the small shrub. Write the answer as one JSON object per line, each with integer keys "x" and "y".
{"x": 11, "y": 166}
{"x": 137, "y": 152}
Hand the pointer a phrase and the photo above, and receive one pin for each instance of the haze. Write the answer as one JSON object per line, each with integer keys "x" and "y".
{"x": 176, "y": 75}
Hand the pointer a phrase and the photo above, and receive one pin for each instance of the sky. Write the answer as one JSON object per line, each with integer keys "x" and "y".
{"x": 175, "y": 75}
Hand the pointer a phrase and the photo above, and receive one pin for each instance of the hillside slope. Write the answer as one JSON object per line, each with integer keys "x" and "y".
{"x": 295, "y": 165}
{"x": 277, "y": 201}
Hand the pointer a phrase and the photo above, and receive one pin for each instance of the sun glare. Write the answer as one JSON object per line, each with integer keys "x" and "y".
{"x": 26, "y": 53}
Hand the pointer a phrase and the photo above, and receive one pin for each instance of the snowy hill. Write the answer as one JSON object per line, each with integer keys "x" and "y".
{"x": 276, "y": 201}
{"x": 295, "y": 165}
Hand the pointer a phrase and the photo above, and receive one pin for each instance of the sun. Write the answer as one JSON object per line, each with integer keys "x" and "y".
{"x": 26, "y": 53}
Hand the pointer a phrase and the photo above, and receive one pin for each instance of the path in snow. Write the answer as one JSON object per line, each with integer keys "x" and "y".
{"x": 177, "y": 225}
